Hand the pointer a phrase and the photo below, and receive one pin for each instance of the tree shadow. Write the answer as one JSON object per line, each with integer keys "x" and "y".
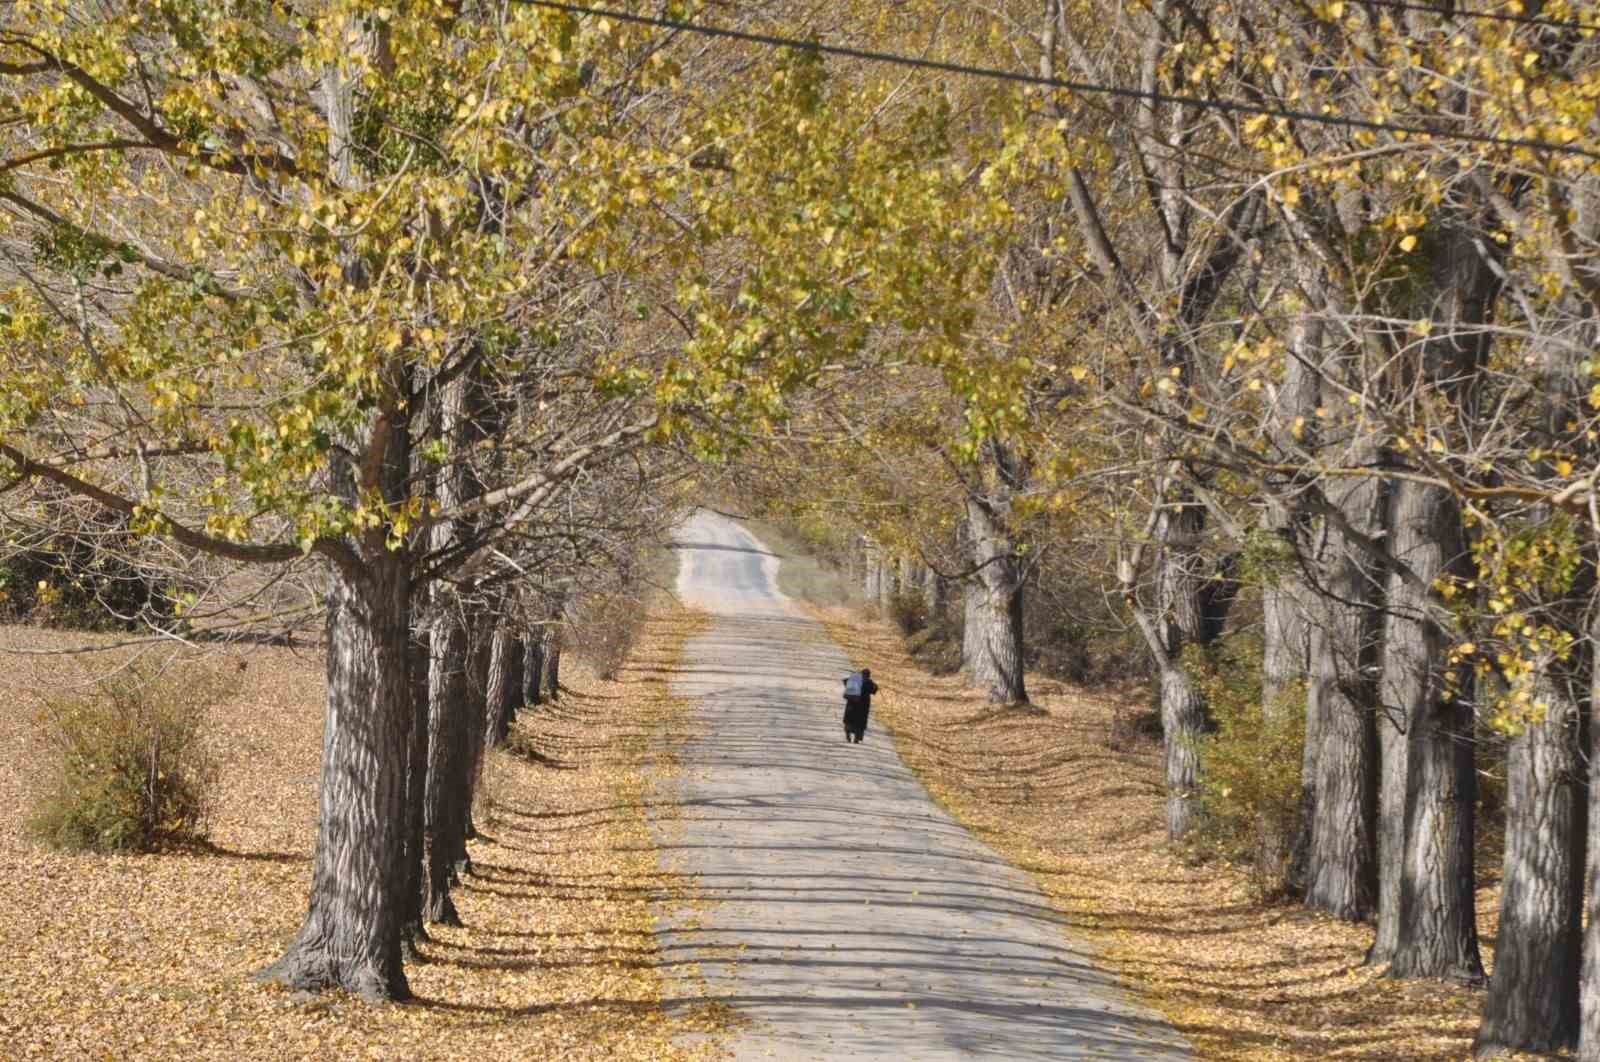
{"x": 210, "y": 850}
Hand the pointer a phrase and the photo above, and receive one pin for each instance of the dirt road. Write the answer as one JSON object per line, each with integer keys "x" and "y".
{"x": 848, "y": 917}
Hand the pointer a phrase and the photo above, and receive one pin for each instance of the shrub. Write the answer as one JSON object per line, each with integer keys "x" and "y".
{"x": 129, "y": 760}
{"x": 1133, "y": 725}
{"x": 909, "y": 611}
{"x": 937, "y": 647}
{"x": 1250, "y": 764}
{"x": 1070, "y": 635}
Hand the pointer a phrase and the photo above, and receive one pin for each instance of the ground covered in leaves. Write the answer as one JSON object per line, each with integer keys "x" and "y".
{"x": 1069, "y": 794}
{"x": 150, "y": 956}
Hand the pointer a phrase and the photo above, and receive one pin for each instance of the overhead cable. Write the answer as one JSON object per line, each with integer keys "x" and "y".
{"x": 1071, "y": 85}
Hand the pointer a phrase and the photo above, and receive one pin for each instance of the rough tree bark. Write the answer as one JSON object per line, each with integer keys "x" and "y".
{"x": 872, "y": 581}
{"x": 1001, "y": 578}
{"x": 552, "y": 661}
{"x": 444, "y": 814}
{"x": 505, "y": 692}
{"x": 1532, "y": 1003}
{"x": 1537, "y": 1000}
{"x": 351, "y": 937}
{"x": 352, "y": 932}
{"x": 1589, "y": 978}
{"x": 972, "y": 597}
{"x": 1285, "y": 635}
{"x": 1427, "y": 914}
{"x": 932, "y": 593}
{"x": 1179, "y": 581}
{"x": 533, "y": 667}
{"x": 485, "y": 627}
{"x": 1198, "y": 280}
{"x": 1179, "y": 618}
{"x": 913, "y": 577}
{"x": 1284, "y": 658}
{"x": 414, "y": 930}
{"x": 1341, "y": 871}
{"x": 464, "y": 419}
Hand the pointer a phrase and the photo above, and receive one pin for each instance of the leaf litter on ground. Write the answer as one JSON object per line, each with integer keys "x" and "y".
{"x": 1061, "y": 791}
{"x": 150, "y": 956}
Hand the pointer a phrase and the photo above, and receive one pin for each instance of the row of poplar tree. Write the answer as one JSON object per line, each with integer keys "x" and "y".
{"x": 447, "y": 298}
{"x": 1329, "y": 382}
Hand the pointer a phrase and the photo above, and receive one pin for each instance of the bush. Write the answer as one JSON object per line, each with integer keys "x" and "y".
{"x": 1250, "y": 764}
{"x": 1069, "y": 635}
{"x": 909, "y": 611}
{"x": 130, "y": 765}
{"x": 937, "y": 647}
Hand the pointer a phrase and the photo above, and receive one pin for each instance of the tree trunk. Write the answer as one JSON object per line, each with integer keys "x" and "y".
{"x": 1180, "y": 582}
{"x": 1589, "y": 981}
{"x": 999, "y": 556}
{"x": 872, "y": 582}
{"x": 352, "y": 932}
{"x": 932, "y": 593}
{"x": 972, "y": 598}
{"x": 1183, "y": 720}
{"x": 1299, "y": 874}
{"x": 445, "y": 819}
{"x": 533, "y": 668}
{"x": 416, "y": 787}
{"x": 1340, "y": 864}
{"x": 1427, "y": 920}
{"x": 1285, "y": 635}
{"x": 487, "y": 682}
{"x": 1429, "y": 899}
{"x": 552, "y": 662}
{"x": 997, "y": 644}
{"x": 1532, "y": 1003}
{"x": 502, "y": 709}
{"x": 1283, "y": 680}
{"x": 913, "y": 577}
{"x": 1426, "y": 911}
{"x": 1438, "y": 904}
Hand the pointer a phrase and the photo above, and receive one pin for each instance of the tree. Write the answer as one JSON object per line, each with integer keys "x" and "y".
{"x": 281, "y": 233}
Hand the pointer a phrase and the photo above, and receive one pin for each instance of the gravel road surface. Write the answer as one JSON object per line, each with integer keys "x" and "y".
{"x": 845, "y": 915}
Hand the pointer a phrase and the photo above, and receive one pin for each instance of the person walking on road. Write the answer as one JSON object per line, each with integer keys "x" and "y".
{"x": 858, "y": 691}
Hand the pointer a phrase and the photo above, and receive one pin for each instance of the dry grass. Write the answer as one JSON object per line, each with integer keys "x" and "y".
{"x": 803, "y": 575}
{"x": 1081, "y": 812}
{"x": 149, "y": 956}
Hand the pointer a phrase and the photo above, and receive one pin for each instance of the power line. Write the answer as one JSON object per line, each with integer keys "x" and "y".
{"x": 1448, "y": 11}
{"x": 1083, "y": 87}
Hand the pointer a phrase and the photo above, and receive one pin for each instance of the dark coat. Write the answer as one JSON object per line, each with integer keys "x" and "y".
{"x": 856, "y": 708}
